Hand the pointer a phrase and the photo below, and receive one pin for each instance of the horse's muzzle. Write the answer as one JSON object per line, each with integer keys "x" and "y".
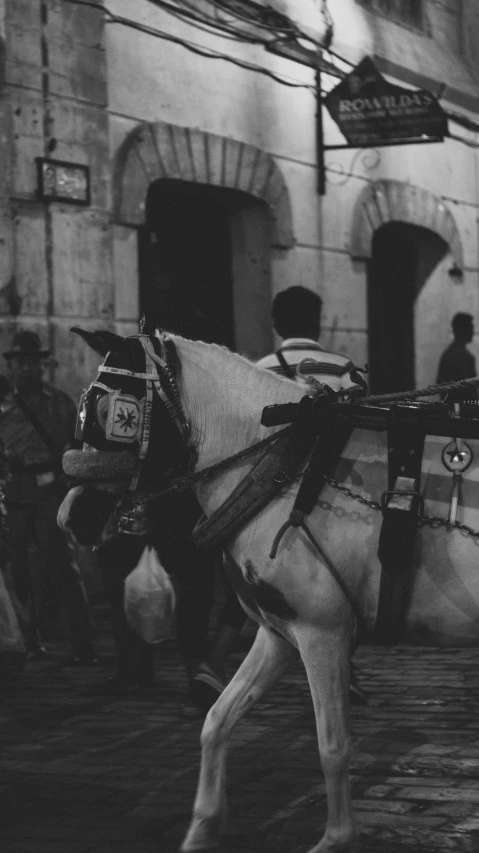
{"x": 85, "y": 512}
{"x": 100, "y": 465}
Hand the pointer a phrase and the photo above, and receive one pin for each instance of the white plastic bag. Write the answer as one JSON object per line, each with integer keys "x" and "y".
{"x": 150, "y": 599}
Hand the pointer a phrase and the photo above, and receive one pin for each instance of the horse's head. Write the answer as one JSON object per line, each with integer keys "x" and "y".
{"x": 121, "y": 453}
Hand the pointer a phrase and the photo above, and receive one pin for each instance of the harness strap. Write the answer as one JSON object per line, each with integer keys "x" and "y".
{"x": 402, "y": 504}
{"x": 268, "y": 477}
{"x": 146, "y": 431}
{"x": 174, "y": 412}
{"x": 327, "y": 451}
{"x": 324, "y": 460}
{"x": 288, "y": 370}
{"x": 119, "y": 371}
{"x": 101, "y": 385}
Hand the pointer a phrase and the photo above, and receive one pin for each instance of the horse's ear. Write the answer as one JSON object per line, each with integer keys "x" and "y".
{"x": 101, "y": 341}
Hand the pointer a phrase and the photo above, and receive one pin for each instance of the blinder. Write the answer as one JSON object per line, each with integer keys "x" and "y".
{"x": 110, "y": 416}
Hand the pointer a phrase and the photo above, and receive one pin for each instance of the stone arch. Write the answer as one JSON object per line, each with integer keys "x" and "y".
{"x": 156, "y": 150}
{"x": 396, "y": 201}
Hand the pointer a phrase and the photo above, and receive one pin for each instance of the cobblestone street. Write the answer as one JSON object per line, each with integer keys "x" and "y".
{"x": 83, "y": 771}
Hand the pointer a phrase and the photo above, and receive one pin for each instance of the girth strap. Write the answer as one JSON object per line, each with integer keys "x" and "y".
{"x": 324, "y": 460}
{"x": 402, "y": 505}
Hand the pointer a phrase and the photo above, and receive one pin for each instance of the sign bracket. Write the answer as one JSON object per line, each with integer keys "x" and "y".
{"x": 382, "y": 144}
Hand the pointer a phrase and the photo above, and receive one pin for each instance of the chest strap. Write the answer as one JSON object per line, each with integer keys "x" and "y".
{"x": 266, "y": 480}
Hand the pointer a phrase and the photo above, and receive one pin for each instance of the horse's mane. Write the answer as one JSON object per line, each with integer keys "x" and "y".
{"x": 235, "y": 367}
{"x": 232, "y": 388}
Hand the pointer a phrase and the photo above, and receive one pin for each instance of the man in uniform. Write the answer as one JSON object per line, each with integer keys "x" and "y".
{"x": 37, "y": 423}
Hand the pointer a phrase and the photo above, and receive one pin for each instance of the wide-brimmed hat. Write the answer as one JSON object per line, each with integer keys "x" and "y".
{"x": 26, "y": 343}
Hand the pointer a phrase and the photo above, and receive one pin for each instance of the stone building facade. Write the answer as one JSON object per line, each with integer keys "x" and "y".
{"x": 204, "y": 175}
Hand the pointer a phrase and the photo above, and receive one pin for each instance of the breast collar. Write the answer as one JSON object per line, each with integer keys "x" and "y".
{"x": 158, "y": 369}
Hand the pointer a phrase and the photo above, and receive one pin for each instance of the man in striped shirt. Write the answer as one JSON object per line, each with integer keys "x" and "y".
{"x": 296, "y": 316}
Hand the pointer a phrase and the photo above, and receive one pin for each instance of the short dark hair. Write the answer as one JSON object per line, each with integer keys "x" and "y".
{"x": 461, "y": 321}
{"x": 297, "y": 311}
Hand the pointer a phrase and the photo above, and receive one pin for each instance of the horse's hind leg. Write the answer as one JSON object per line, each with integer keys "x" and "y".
{"x": 269, "y": 657}
{"x": 325, "y": 655}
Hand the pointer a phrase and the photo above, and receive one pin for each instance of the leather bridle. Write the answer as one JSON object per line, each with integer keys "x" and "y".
{"x": 159, "y": 377}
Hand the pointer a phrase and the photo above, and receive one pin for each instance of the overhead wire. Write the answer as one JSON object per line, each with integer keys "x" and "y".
{"x": 225, "y": 8}
{"x": 209, "y": 53}
{"x": 278, "y": 33}
{"x": 201, "y": 22}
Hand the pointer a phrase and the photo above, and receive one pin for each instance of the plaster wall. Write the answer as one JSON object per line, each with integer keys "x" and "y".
{"x": 215, "y": 97}
{"x": 53, "y": 104}
{"x": 153, "y": 80}
{"x": 448, "y": 170}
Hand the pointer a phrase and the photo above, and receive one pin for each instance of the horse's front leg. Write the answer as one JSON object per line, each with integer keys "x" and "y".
{"x": 269, "y": 657}
{"x": 326, "y": 656}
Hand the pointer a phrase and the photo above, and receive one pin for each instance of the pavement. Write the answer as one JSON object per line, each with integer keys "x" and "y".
{"x": 84, "y": 771}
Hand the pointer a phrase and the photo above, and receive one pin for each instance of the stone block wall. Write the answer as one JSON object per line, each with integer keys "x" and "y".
{"x": 56, "y": 270}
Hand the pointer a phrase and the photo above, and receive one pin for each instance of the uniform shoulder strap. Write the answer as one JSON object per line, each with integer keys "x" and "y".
{"x": 287, "y": 369}
{"x": 36, "y": 423}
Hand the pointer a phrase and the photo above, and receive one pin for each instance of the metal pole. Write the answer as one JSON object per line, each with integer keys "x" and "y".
{"x": 321, "y": 185}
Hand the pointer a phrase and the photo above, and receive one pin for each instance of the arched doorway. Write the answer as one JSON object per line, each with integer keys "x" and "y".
{"x": 188, "y": 253}
{"x": 404, "y": 257}
{"x": 237, "y": 204}
{"x": 409, "y": 241}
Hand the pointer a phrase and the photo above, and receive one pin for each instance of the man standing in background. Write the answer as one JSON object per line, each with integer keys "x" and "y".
{"x": 296, "y": 314}
{"x": 457, "y": 362}
{"x": 37, "y": 424}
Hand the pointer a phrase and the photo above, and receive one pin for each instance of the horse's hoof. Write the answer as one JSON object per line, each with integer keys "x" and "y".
{"x": 188, "y": 848}
{"x": 202, "y": 836}
{"x": 348, "y": 845}
{"x": 184, "y": 849}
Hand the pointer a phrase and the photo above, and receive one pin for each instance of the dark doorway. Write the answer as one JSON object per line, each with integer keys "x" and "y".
{"x": 186, "y": 279}
{"x": 392, "y": 287}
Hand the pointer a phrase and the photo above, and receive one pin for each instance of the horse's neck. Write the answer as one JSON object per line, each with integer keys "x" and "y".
{"x": 223, "y": 396}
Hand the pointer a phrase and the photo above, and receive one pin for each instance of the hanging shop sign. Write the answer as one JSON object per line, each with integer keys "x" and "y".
{"x": 371, "y": 111}
{"x": 59, "y": 180}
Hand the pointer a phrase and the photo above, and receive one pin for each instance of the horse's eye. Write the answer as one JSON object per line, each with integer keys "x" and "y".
{"x": 102, "y": 411}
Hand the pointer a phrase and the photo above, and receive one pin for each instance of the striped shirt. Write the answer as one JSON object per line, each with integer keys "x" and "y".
{"x": 330, "y": 368}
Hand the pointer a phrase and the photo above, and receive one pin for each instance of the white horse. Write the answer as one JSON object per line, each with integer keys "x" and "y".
{"x": 300, "y": 607}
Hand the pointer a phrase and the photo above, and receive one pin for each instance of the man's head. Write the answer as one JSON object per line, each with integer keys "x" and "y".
{"x": 26, "y": 361}
{"x": 296, "y": 313}
{"x": 463, "y": 327}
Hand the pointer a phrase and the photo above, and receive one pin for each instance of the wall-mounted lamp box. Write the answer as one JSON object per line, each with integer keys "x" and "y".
{"x": 58, "y": 180}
